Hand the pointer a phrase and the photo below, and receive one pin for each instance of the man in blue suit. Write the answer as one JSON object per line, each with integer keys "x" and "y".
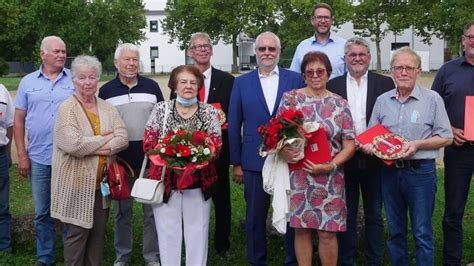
{"x": 254, "y": 100}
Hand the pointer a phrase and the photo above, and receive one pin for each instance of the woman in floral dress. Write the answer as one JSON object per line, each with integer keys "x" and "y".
{"x": 317, "y": 198}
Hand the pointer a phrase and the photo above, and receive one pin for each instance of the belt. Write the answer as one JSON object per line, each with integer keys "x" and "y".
{"x": 409, "y": 163}
{"x": 2, "y": 148}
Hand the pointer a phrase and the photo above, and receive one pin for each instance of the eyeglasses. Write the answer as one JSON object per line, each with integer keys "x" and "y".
{"x": 201, "y": 46}
{"x": 320, "y": 18}
{"x": 262, "y": 49}
{"x": 310, "y": 73}
{"x": 408, "y": 69}
{"x": 354, "y": 55}
{"x": 469, "y": 37}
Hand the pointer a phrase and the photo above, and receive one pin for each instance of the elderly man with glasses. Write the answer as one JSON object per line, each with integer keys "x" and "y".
{"x": 322, "y": 40}
{"x": 409, "y": 184}
{"x": 362, "y": 173}
{"x": 254, "y": 100}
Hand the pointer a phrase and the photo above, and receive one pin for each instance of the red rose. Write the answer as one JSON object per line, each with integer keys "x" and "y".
{"x": 180, "y": 133}
{"x": 198, "y": 138}
{"x": 167, "y": 139}
{"x": 289, "y": 114}
{"x": 170, "y": 150}
{"x": 184, "y": 150}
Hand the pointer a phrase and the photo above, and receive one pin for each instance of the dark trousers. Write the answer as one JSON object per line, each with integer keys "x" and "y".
{"x": 86, "y": 246}
{"x": 258, "y": 201}
{"x": 458, "y": 170}
{"x": 222, "y": 209}
{"x": 362, "y": 174}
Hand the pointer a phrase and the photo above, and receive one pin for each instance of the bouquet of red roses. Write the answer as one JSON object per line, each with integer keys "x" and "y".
{"x": 183, "y": 149}
{"x": 285, "y": 127}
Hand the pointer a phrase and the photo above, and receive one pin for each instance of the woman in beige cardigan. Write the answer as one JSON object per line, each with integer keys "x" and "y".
{"x": 88, "y": 131}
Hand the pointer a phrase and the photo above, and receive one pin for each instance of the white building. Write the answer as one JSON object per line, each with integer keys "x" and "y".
{"x": 157, "y": 55}
{"x": 432, "y": 55}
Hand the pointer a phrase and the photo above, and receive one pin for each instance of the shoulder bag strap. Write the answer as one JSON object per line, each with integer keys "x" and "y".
{"x": 145, "y": 159}
{"x": 85, "y": 112}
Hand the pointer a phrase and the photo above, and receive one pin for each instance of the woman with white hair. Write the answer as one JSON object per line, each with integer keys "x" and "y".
{"x": 87, "y": 132}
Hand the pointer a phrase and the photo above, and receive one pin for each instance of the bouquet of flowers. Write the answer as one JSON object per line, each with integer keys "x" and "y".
{"x": 287, "y": 128}
{"x": 183, "y": 149}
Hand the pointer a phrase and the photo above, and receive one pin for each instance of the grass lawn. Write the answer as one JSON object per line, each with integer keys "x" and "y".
{"x": 23, "y": 254}
{"x": 12, "y": 82}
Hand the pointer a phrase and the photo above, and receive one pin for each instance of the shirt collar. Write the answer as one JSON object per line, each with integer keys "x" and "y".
{"x": 40, "y": 73}
{"x": 364, "y": 77}
{"x": 275, "y": 71}
{"x": 207, "y": 73}
{"x": 462, "y": 61}
{"x": 416, "y": 93}
{"x": 136, "y": 84}
{"x": 315, "y": 40}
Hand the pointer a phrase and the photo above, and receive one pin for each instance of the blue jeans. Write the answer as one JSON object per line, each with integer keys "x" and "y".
{"x": 5, "y": 216}
{"x": 411, "y": 190}
{"x": 40, "y": 177}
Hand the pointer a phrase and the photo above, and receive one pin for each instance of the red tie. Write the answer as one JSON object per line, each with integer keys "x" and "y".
{"x": 202, "y": 93}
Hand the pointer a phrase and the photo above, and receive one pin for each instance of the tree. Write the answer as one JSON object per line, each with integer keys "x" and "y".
{"x": 376, "y": 18}
{"x": 444, "y": 19}
{"x": 86, "y": 26}
{"x": 221, "y": 19}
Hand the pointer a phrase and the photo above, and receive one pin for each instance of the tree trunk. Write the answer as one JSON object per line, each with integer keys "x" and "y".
{"x": 235, "y": 67}
{"x": 379, "y": 63}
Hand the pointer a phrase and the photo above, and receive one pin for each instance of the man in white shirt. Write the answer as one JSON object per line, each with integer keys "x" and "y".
{"x": 361, "y": 88}
{"x": 254, "y": 100}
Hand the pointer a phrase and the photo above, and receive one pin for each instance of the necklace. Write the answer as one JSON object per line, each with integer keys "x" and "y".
{"x": 184, "y": 111}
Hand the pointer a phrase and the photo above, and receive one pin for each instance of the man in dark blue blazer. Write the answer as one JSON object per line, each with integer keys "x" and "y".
{"x": 254, "y": 100}
{"x": 361, "y": 88}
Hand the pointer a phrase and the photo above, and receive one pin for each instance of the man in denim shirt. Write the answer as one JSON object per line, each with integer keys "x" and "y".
{"x": 39, "y": 95}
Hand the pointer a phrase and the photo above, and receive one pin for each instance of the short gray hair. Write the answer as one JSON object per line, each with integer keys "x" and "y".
{"x": 46, "y": 40}
{"x": 356, "y": 41}
{"x": 126, "y": 46}
{"x": 86, "y": 61}
{"x": 268, "y": 33}
{"x": 199, "y": 35}
{"x": 408, "y": 50}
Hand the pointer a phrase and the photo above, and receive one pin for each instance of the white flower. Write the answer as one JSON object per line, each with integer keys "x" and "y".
{"x": 178, "y": 154}
{"x": 162, "y": 150}
{"x": 194, "y": 159}
{"x": 206, "y": 151}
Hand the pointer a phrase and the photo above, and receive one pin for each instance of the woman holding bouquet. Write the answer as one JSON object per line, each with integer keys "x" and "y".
{"x": 186, "y": 205}
{"x": 317, "y": 200}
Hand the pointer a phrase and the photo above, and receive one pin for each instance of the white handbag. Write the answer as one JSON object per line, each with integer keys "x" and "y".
{"x": 150, "y": 191}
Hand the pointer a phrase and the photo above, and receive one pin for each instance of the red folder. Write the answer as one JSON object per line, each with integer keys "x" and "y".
{"x": 317, "y": 150}
{"x": 369, "y": 135}
{"x": 469, "y": 118}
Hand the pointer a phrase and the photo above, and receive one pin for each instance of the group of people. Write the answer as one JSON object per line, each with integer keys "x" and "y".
{"x": 73, "y": 132}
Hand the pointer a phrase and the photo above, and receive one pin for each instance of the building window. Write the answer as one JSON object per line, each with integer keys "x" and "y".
{"x": 153, "y": 25}
{"x": 397, "y": 45}
{"x": 154, "y": 52}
